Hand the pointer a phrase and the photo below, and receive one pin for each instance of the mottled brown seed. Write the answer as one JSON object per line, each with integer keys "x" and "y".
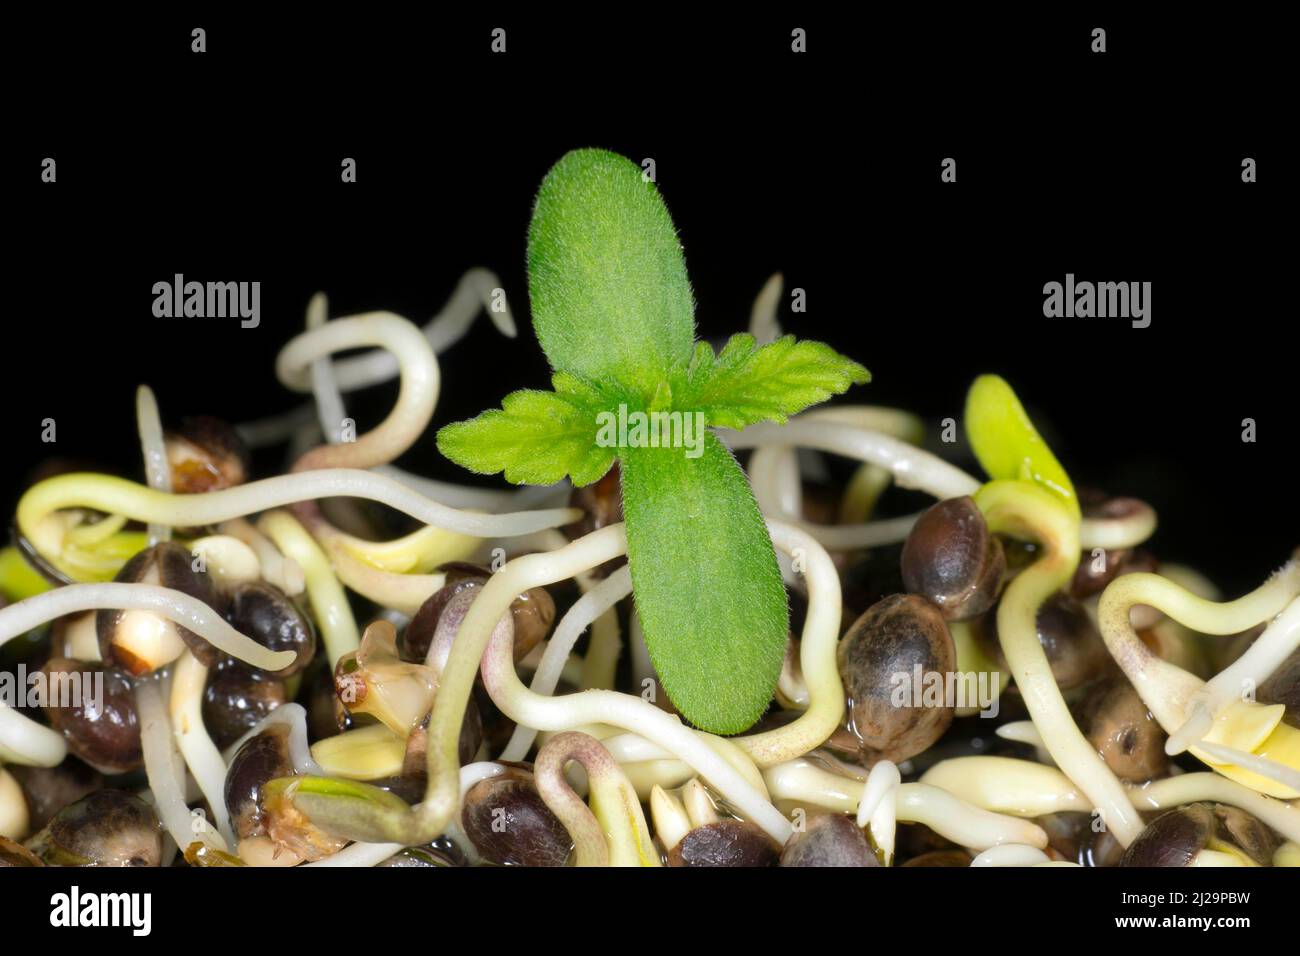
{"x": 1176, "y": 836}
{"x": 830, "y": 839}
{"x": 878, "y": 658}
{"x": 1247, "y": 833}
{"x": 510, "y": 825}
{"x": 1093, "y": 574}
{"x": 1172, "y": 839}
{"x": 1120, "y": 727}
{"x": 725, "y": 843}
{"x": 106, "y": 828}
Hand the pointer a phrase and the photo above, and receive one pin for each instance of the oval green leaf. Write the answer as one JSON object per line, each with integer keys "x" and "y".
{"x": 708, "y": 589}
{"x": 610, "y": 297}
{"x": 1006, "y": 442}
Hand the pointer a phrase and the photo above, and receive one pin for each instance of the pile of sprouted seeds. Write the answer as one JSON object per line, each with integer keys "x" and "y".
{"x": 1006, "y": 678}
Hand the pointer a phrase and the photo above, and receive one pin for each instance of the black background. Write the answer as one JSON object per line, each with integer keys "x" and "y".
{"x": 1123, "y": 166}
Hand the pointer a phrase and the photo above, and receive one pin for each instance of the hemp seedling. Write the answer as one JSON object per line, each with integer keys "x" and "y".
{"x": 613, "y": 310}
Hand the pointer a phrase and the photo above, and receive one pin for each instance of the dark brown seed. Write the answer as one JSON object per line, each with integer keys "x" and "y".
{"x": 510, "y": 825}
{"x": 326, "y": 714}
{"x": 830, "y": 839}
{"x": 879, "y": 659}
{"x": 1247, "y": 833}
{"x": 266, "y": 614}
{"x": 49, "y": 789}
{"x": 532, "y": 612}
{"x": 104, "y": 732}
{"x": 106, "y": 828}
{"x": 1175, "y": 837}
{"x": 725, "y": 843}
{"x": 1095, "y": 573}
{"x": 171, "y": 566}
{"x": 261, "y": 759}
{"x": 1070, "y": 640}
{"x": 1283, "y": 687}
{"x": 236, "y": 699}
{"x": 497, "y": 728}
{"x": 419, "y": 632}
{"x": 415, "y": 765}
{"x": 205, "y": 454}
{"x": 1120, "y": 727}
{"x": 442, "y": 852}
{"x": 601, "y": 503}
{"x": 941, "y": 858}
{"x": 1076, "y": 838}
{"x": 1171, "y": 839}
{"x": 952, "y": 559}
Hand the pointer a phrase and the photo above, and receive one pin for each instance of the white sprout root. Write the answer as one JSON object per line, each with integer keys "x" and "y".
{"x": 477, "y": 635}
{"x": 22, "y": 740}
{"x": 166, "y": 771}
{"x": 1279, "y": 640}
{"x": 156, "y": 468}
{"x": 477, "y": 290}
{"x": 1179, "y": 701}
{"x": 118, "y": 496}
{"x": 802, "y": 782}
{"x": 585, "y": 610}
{"x": 817, "y": 655}
{"x": 189, "y": 678}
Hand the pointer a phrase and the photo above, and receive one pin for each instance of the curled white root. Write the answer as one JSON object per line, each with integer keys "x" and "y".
{"x": 579, "y": 617}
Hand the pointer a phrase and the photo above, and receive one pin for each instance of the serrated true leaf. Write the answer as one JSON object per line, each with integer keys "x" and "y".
{"x": 606, "y": 277}
{"x": 708, "y": 589}
{"x": 536, "y": 437}
{"x": 746, "y": 383}
{"x": 1007, "y": 444}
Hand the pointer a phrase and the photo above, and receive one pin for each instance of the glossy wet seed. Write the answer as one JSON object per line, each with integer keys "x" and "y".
{"x": 953, "y": 560}
{"x": 510, "y": 825}
{"x": 104, "y": 731}
{"x": 895, "y": 637}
